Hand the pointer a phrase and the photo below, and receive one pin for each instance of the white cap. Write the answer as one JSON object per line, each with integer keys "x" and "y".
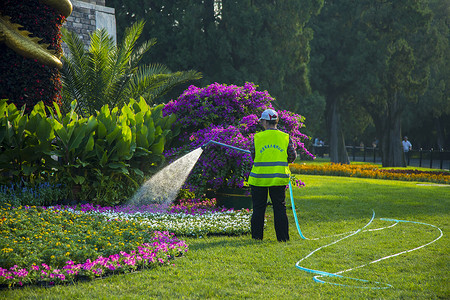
{"x": 269, "y": 114}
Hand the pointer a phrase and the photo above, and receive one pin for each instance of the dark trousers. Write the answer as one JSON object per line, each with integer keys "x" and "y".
{"x": 259, "y": 199}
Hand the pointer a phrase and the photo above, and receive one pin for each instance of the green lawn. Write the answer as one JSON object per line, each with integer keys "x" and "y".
{"x": 237, "y": 267}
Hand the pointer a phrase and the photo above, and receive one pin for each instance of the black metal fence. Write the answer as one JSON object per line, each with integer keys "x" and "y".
{"x": 427, "y": 158}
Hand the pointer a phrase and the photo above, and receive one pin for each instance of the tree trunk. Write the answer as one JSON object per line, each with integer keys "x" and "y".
{"x": 338, "y": 152}
{"x": 391, "y": 145}
{"x": 439, "y": 133}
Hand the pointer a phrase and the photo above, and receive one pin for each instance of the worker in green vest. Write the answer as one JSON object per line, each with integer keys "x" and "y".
{"x": 272, "y": 151}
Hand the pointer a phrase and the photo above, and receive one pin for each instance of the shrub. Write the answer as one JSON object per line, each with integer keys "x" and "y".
{"x": 227, "y": 114}
{"x": 105, "y": 156}
{"x": 371, "y": 171}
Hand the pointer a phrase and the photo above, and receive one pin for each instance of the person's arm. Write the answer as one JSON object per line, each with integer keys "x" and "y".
{"x": 292, "y": 155}
{"x": 252, "y": 149}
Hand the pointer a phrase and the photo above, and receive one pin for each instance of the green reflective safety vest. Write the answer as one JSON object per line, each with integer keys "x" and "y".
{"x": 270, "y": 167}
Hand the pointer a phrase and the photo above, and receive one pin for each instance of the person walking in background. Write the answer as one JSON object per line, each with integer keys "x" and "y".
{"x": 407, "y": 146}
{"x": 272, "y": 151}
{"x": 316, "y": 145}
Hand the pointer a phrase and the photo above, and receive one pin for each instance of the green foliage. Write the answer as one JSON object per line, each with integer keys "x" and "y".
{"x": 110, "y": 74}
{"x": 266, "y": 269}
{"x": 373, "y": 55}
{"x": 39, "y": 194}
{"x": 428, "y": 121}
{"x": 25, "y": 142}
{"x": 107, "y": 155}
{"x": 265, "y": 42}
{"x": 185, "y": 194}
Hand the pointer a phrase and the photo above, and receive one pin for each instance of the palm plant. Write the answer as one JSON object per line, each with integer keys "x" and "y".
{"x": 110, "y": 74}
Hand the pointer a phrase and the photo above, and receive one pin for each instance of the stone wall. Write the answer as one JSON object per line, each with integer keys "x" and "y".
{"x": 89, "y": 15}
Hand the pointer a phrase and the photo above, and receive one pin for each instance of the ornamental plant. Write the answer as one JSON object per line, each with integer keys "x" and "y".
{"x": 111, "y": 74}
{"x": 106, "y": 156}
{"x": 61, "y": 244}
{"x": 371, "y": 171}
{"x": 25, "y": 81}
{"x": 57, "y": 245}
{"x": 227, "y": 114}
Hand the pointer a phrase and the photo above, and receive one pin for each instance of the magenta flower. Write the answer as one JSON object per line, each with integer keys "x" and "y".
{"x": 227, "y": 114}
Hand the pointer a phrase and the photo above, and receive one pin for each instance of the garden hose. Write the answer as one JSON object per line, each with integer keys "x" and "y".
{"x": 225, "y": 145}
{"x": 319, "y": 274}
{"x": 295, "y": 214}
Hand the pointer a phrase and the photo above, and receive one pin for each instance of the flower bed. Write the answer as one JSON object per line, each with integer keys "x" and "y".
{"x": 58, "y": 246}
{"x": 371, "y": 171}
{"x": 61, "y": 244}
{"x": 190, "y": 217}
{"x": 208, "y": 223}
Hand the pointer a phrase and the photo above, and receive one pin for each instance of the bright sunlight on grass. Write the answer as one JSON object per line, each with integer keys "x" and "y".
{"x": 237, "y": 267}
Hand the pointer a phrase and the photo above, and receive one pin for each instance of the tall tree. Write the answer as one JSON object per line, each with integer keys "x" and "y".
{"x": 396, "y": 70}
{"x": 429, "y": 120}
{"x": 262, "y": 41}
{"x": 368, "y": 51}
{"x": 333, "y": 64}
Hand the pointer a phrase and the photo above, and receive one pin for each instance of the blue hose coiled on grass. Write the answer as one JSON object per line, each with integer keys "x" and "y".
{"x": 320, "y": 274}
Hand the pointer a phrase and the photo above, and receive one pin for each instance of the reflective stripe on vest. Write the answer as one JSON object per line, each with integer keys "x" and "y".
{"x": 271, "y": 164}
{"x": 270, "y": 167}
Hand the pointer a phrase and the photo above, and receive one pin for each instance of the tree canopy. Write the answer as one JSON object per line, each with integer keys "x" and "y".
{"x": 373, "y": 54}
{"x": 379, "y": 69}
{"x": 265, "y": 42}
{"x": 110, "y": 74}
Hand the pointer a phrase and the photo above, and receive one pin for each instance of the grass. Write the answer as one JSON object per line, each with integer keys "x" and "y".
{"x": 238, "y": 267}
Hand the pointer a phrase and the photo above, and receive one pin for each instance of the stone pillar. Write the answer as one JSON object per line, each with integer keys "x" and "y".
{"x": 89, "y": 15}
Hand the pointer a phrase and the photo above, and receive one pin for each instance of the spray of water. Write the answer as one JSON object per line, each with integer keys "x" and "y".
{"x": 162, "y": 188}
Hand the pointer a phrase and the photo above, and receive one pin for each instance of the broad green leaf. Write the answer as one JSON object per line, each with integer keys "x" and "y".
{"x": 28, "y": 170}
{"x": 57, "y": 110}
{"x": 79, "y": 179}
{"x": 61, "y": 132}
{"x": 44, "y": 131}
{"x": 3, "y": 107}
{"x": 104, "y": 159}
{"x": 111, "y": 137}
{"x": 141, "y": 137}
{"x": 90, "y": 144}
{"x": 158, "y": 148}
{"x": 138, "y": 172}
{"x": 101, "y": 130}
{"x": 139, "y": 117}
{"x": 126, "y": 133}
{"x": 76, "y": 139}
{"x": 91, "y": 124}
